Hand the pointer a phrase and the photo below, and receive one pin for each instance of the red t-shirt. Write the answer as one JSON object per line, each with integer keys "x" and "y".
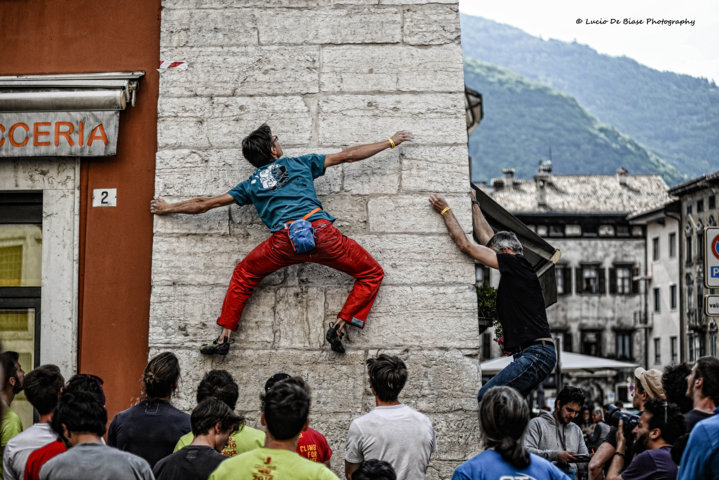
{"x": 39, "y": 457}
{"x": 313, "y": 446}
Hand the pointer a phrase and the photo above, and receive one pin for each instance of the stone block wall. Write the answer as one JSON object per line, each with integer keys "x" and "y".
{"x": 325, "y": 75}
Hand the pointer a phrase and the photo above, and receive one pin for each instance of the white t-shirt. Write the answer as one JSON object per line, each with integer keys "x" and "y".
{"x": 397, "y": 434}
{"x": 19, "y": 448}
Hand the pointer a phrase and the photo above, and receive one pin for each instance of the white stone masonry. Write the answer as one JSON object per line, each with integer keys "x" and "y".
{"x": 325, "y": 75}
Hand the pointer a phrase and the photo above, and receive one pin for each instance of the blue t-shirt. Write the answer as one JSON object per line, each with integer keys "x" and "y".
{"x": 700, "y": 460}
{"x": 284, "y": 190}
{"x": 489, "y": 465}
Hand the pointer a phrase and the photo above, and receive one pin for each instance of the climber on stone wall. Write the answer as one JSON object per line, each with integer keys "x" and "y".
{"x": 520, "y": 302}
{"x": 282, "y": 190}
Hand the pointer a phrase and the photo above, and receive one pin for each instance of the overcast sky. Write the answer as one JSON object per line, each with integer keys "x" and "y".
{"x": 693, "y": 50}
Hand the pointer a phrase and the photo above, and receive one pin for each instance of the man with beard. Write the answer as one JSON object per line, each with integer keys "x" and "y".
{"x": 42, "y": 389}
{"x": 14, "y": 381}
{"x": 703, "y": 390}
{"x": 554, "y": 436}
{"x": 660, "y": 424}
{"x": 647, "y": 384}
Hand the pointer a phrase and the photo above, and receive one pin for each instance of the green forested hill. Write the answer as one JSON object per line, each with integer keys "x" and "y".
{"x": 524, "y": 119}
{"x": 674, "y": 116}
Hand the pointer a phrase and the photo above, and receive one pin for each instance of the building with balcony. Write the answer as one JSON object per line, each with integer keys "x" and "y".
{"x": 602, "y": 298}
{"x": 698, "y": 200}
{"x": 663, "y": 283}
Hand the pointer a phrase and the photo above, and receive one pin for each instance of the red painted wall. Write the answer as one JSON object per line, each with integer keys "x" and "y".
{"x": 78, "y": 36}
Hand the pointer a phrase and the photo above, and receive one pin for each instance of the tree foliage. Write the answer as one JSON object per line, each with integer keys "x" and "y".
{"x": 674, "y": 117}
{"x": 524, "y": 120}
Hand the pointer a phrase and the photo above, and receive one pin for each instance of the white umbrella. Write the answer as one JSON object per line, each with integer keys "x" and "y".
{"x": 570, "y": 362}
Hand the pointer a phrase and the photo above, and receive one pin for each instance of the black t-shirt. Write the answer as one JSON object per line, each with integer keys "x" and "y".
{"x": 520, "y": 303}
{"x": 150, "y": 430}
{"x": 612, "y": 437}
{"x": 193, "y": 462}
{"x": 693, "y": 416}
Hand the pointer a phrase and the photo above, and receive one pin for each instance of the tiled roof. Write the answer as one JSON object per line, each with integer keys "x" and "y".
{"x": 583, "y": 194}
{"x": 696, "y": 184}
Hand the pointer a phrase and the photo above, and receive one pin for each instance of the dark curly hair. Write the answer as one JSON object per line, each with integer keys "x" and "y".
{"x": 387, "y": 375}
{"x": 79, "y": 412}
{"x": 674, "y": 381}
{"x": 257, "y": 145}
{"x": 708, "y": 369}
{"x": 43, "y": 386}
{"x": 666, "y": 417}
{"x": 570, "y": 394}
{"x": 221, "y": 385}
{"x": 374, "y": 469}
{"x": 286, "y": 407}
{"x": 209, "y": 413}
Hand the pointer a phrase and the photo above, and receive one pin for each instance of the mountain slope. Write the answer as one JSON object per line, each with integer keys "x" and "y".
{"x": 524, "y": 119}
{"x": 674, "y": 116}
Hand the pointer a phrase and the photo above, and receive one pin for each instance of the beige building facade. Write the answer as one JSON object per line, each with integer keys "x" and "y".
{"x": 698, "y": 199}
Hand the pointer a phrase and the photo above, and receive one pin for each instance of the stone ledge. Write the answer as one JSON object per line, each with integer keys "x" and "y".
{"x": 391, "y": 68}
{"x": 431, "y": 118}
{"x": 241, "y": 71}
{"x": 431, "y": 25}
{"x": 338, "y": 25}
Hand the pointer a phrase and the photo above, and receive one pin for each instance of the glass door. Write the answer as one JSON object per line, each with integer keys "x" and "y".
{"x": 20, "y": 283}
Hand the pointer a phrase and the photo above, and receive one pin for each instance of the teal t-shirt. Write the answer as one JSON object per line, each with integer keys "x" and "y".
{"x": 284, "y": 190}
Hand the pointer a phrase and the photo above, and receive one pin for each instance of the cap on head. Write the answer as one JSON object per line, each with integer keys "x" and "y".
{"x": 651, "y": 381}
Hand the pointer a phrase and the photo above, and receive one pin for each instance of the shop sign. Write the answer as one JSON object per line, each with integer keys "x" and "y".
{"x": 711, "y": 305}
{"x": 59, "y": 134}
{"x": 711, "y": 257}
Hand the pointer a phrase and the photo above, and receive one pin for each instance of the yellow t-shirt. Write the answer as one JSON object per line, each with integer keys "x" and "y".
{"x": 271, "y": 464}
{"x": 11, "y": 426}
{"x": 246, "y": 439}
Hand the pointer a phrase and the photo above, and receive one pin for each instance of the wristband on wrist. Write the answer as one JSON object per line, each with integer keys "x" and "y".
{"x": 475, "y": 202}
{"x": 620, "y": 454}
{"x": 445, "y": 210}
{"x": 391, "y": 142}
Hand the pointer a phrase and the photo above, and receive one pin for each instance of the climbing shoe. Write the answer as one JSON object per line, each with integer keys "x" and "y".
{"x": 334, "y": 338}
{"x": 215, "y": 348}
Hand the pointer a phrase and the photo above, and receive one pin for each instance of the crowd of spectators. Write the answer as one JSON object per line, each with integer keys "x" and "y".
{"x": 674, "y": 435}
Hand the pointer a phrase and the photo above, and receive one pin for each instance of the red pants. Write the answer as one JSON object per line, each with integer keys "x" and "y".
{"x": 332, "y": 249}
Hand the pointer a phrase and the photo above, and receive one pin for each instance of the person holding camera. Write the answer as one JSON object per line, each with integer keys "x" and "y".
{"x": 647, "y": 385}
{"x": 660, "y": 424}
{"x": 555, "y": 437}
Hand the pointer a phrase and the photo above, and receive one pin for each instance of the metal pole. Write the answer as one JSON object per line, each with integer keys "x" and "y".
{"x": 558, "y": 369}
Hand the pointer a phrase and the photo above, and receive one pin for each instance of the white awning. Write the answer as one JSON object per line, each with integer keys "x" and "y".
{"x": 63, "y": 115}
{"x": 570, "y": 362}
{"x": 80, "y": 92}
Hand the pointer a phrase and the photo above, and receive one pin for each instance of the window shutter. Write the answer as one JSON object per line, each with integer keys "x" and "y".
{"x": 602, "y": 281}
{"x": 567, "y": 272}
{"x": 580, "y": 279}
{"x": 635, "y": 283}
{"x": 612, "y": 280}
